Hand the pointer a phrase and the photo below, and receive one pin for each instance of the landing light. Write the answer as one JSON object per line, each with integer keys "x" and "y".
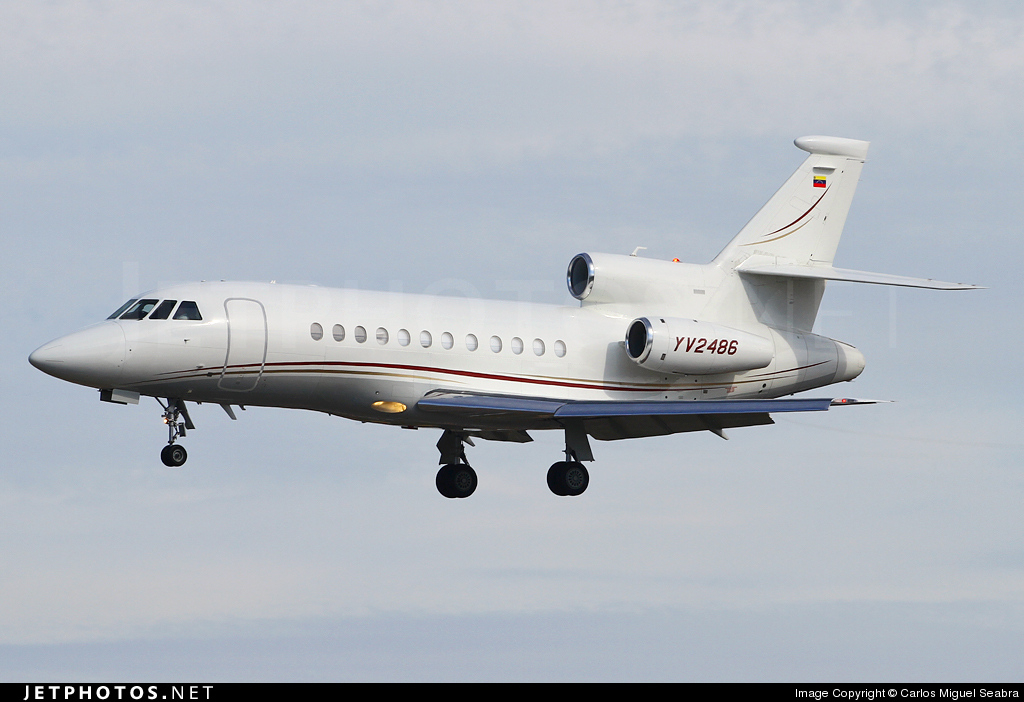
{"x": 388, "y": 406}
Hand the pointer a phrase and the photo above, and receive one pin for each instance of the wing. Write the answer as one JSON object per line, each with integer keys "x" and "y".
{"x": 506, "y": 417}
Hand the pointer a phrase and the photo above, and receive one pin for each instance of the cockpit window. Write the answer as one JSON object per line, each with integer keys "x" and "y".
{"x": 163, "y": 310}
{"x": 188, "y": 310}
{"x": 122, "y": 308}
{"x": 140, "y": 309}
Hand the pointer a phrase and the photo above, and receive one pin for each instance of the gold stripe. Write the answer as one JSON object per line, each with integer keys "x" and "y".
{"x": 765, "y": 241}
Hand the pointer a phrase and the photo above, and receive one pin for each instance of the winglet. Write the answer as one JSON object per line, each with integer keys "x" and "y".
{"x": 852, "y": 401}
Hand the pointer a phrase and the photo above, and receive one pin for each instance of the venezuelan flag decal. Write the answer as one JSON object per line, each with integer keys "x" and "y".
{"x": 819, "y": 181}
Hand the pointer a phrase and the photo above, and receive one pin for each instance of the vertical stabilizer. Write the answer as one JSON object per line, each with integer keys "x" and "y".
{"x": 800, "y": 225}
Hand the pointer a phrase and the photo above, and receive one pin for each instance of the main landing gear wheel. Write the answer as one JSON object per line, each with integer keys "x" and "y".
{"x": 568, "y": 478}
{"x": 456, "y": 480}
{"x": 174, "y": 455}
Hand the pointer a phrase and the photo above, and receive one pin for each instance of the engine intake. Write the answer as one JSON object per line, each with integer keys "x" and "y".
{"x": 689, "y": 347}
{"x": 580, "y": 276}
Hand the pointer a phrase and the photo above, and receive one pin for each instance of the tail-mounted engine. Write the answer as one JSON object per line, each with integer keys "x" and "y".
{"x": 686, "y": 346}
{"x": 599, "y": 278}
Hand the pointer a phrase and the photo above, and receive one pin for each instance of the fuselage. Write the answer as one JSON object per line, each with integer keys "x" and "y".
{"x": 371, "y": 356}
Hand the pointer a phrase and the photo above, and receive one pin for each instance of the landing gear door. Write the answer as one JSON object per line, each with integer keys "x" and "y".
{"x": 247, "y": 344}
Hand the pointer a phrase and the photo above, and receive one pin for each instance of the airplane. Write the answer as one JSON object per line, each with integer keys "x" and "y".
{"x": 653, "y": 348}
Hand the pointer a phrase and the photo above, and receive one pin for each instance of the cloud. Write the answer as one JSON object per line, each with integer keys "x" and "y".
{"x": 518, "y": 77}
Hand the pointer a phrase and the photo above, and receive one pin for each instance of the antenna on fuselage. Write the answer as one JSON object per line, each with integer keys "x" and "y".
{"x": 638, "y": 249}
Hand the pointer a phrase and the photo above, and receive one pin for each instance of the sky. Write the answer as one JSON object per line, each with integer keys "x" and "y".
{"x": 473, "y": 149}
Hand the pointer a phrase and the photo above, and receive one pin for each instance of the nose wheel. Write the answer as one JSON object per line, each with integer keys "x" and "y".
{"x": 173, "y": 455}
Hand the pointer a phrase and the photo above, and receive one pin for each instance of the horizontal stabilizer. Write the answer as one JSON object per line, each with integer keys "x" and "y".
{"x": 851, "y": 276}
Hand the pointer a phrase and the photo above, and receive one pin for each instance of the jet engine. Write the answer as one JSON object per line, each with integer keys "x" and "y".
{"x": 686, "y": 346}
{"x": 596, "y": 279}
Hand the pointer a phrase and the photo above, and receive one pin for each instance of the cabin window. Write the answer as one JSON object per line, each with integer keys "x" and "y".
{"x": 140, "y": 309}
{"x": 538, "y": 347}
{"x": 471, "y": 342}
{"x": 447, "y": 341}
{"x": 122, "y": 308}
{"x": 316, "y": 331}
{"x": 360, "y": 334}
{"x": 496, "y": 344}
{"x": 188, "y": 310}
{"x": 382, "y": 336}
{"x": 560, "y": 348}
{"x": 517, "y": 345}
{"x": 338, "y": 332}
{"x": 425, "y": 339}
{"x": 163, "y": 310}
{"x": 403, "y": 337}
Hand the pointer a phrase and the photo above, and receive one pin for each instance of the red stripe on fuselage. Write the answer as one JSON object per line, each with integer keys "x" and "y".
{"x": 585, "y": 385}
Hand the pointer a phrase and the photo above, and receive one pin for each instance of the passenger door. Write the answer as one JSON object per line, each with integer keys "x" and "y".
{"x": 247, "y": 344}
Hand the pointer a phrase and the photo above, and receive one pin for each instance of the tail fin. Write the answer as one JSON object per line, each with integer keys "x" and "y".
{"x": 799, "y": 226}
{"x": 803, "y": 221}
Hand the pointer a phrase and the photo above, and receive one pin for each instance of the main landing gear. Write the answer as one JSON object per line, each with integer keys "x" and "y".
{"x": 457, "y": 479}
{"x": 177, "y": 420}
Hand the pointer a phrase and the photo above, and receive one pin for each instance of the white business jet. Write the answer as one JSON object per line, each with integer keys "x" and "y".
{"x": 654, "y": 348}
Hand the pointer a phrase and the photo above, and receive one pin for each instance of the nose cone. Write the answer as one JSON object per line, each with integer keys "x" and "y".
{"x": 851, "y": 362}
{"x": 93, "y": 356}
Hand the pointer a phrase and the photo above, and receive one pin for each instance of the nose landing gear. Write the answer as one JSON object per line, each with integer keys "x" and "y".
{"x": 177, "y": 420}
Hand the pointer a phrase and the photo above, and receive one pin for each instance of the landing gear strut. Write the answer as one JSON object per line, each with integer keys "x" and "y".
{"x": 456, "y": 478}
{"x": 177, "y": 420}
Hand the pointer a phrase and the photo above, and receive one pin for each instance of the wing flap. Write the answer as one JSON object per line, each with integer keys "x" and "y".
{"x": 638, "y": 426}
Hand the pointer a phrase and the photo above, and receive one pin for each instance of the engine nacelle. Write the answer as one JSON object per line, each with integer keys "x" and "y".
{"x": 686, "y": 346}
{"x": 596, "y": 279}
